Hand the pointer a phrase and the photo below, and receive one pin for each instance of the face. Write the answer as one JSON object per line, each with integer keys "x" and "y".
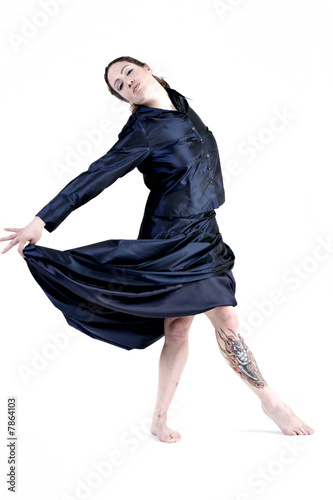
{"x": 134, "y": 83}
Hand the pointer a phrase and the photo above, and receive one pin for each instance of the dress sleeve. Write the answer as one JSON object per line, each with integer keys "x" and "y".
{"x": 128, "y": 152}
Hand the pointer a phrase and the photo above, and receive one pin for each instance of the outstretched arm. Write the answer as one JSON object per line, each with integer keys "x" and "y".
{"x": 128, "y": 152}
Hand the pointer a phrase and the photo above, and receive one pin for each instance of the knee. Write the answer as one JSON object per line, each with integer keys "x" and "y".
{"x": 224, "y": 317}
{"x": 176, "y": 329}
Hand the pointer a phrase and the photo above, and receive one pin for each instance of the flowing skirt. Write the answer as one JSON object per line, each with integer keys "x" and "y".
{"x": 120, "y": 291}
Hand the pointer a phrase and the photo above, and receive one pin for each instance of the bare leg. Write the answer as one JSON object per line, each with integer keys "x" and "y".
{"x": 172, "y": 362}
{"x": 240, "y": 358}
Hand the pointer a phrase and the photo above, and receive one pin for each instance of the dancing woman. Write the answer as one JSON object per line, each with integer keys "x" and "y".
{"x": 131, "y": 293}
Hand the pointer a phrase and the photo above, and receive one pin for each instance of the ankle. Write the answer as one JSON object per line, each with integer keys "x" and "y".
{"x": 160, "y": 414}
{"x": 266, "y": 395}
{"x": 270, "y": 399}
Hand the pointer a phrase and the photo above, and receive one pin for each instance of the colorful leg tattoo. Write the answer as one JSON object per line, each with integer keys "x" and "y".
{"x": 241, "y": 358}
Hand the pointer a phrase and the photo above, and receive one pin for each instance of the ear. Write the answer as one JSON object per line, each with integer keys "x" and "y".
{"x": 148, "y": 68}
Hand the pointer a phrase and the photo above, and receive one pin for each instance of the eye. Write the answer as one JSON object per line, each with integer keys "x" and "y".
{"x": 120, "y": 86}
{"x": 129, "y": 71}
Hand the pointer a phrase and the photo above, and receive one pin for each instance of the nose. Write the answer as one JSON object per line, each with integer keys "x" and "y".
{"x": 130, "y": 81}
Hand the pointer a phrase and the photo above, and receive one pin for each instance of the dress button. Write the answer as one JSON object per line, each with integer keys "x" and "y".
{"x": 193, "y": 128}
{"x": 201, "y": 140}
{"x": 207, "y": 155}
{"x": 209, "y": 167}
{"x": 211, "y": 181}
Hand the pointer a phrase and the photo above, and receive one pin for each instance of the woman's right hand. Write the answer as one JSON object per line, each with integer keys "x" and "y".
{"x": 28, "y": 234}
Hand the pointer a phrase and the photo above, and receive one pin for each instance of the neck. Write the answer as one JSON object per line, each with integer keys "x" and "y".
{"x": 159, "y": 98}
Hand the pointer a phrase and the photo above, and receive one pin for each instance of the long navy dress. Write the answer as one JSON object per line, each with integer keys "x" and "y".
{"x": 120, "y": 291}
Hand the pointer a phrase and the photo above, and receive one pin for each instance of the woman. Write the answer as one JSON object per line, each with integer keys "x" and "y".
{"x": 130, "y": 293}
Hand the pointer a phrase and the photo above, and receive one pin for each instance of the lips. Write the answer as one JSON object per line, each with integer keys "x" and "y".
{"x": 136, "y": 87}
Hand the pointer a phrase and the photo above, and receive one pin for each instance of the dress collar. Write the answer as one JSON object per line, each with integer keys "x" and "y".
{"x": 178, "y": 100}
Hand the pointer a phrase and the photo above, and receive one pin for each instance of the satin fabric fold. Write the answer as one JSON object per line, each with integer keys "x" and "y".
{"x": 120, "y": 291}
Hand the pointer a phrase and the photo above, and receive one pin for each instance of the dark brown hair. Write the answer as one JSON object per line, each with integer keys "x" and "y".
{"x": 134, "y": 107}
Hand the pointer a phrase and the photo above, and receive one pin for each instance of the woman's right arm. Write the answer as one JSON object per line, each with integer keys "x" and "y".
{"x": 126, "y": 154}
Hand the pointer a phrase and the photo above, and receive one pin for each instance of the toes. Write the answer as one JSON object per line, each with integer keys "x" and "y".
{"x": 299, "y": 431}
{"x": 171, "y": 439}
{"x": 307, "y": 430}
{"x": 290, "y": 433}
{"x": 304, "y": 431}
{"x": 174, "y": 436}
{"x": 165, "y": 434}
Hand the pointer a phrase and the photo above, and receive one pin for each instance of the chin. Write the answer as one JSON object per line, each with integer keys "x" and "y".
{"x": 139, "y": 100}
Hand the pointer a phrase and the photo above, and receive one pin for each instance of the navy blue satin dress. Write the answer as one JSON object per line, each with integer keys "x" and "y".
{"x": 120, "y": 291}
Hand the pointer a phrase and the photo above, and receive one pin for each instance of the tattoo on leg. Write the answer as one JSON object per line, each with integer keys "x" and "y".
{"x": 241, "y": 358}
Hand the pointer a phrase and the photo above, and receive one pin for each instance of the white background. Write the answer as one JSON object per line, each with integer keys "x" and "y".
{"x": 240, "y": 62}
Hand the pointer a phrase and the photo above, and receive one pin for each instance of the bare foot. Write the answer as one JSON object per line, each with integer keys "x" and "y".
{"x": 284, "y": 417}
{"x": 160, "y": 429}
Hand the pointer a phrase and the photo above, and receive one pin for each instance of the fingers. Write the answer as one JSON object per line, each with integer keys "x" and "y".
{"x": 6, "y": 238}
{"x": 10, "y": 237}
{"x": 20, "y": 249}
{"x": 22, "y": 236}
{"x": 13, "y": 237}
{"x": 8, "y": 247}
